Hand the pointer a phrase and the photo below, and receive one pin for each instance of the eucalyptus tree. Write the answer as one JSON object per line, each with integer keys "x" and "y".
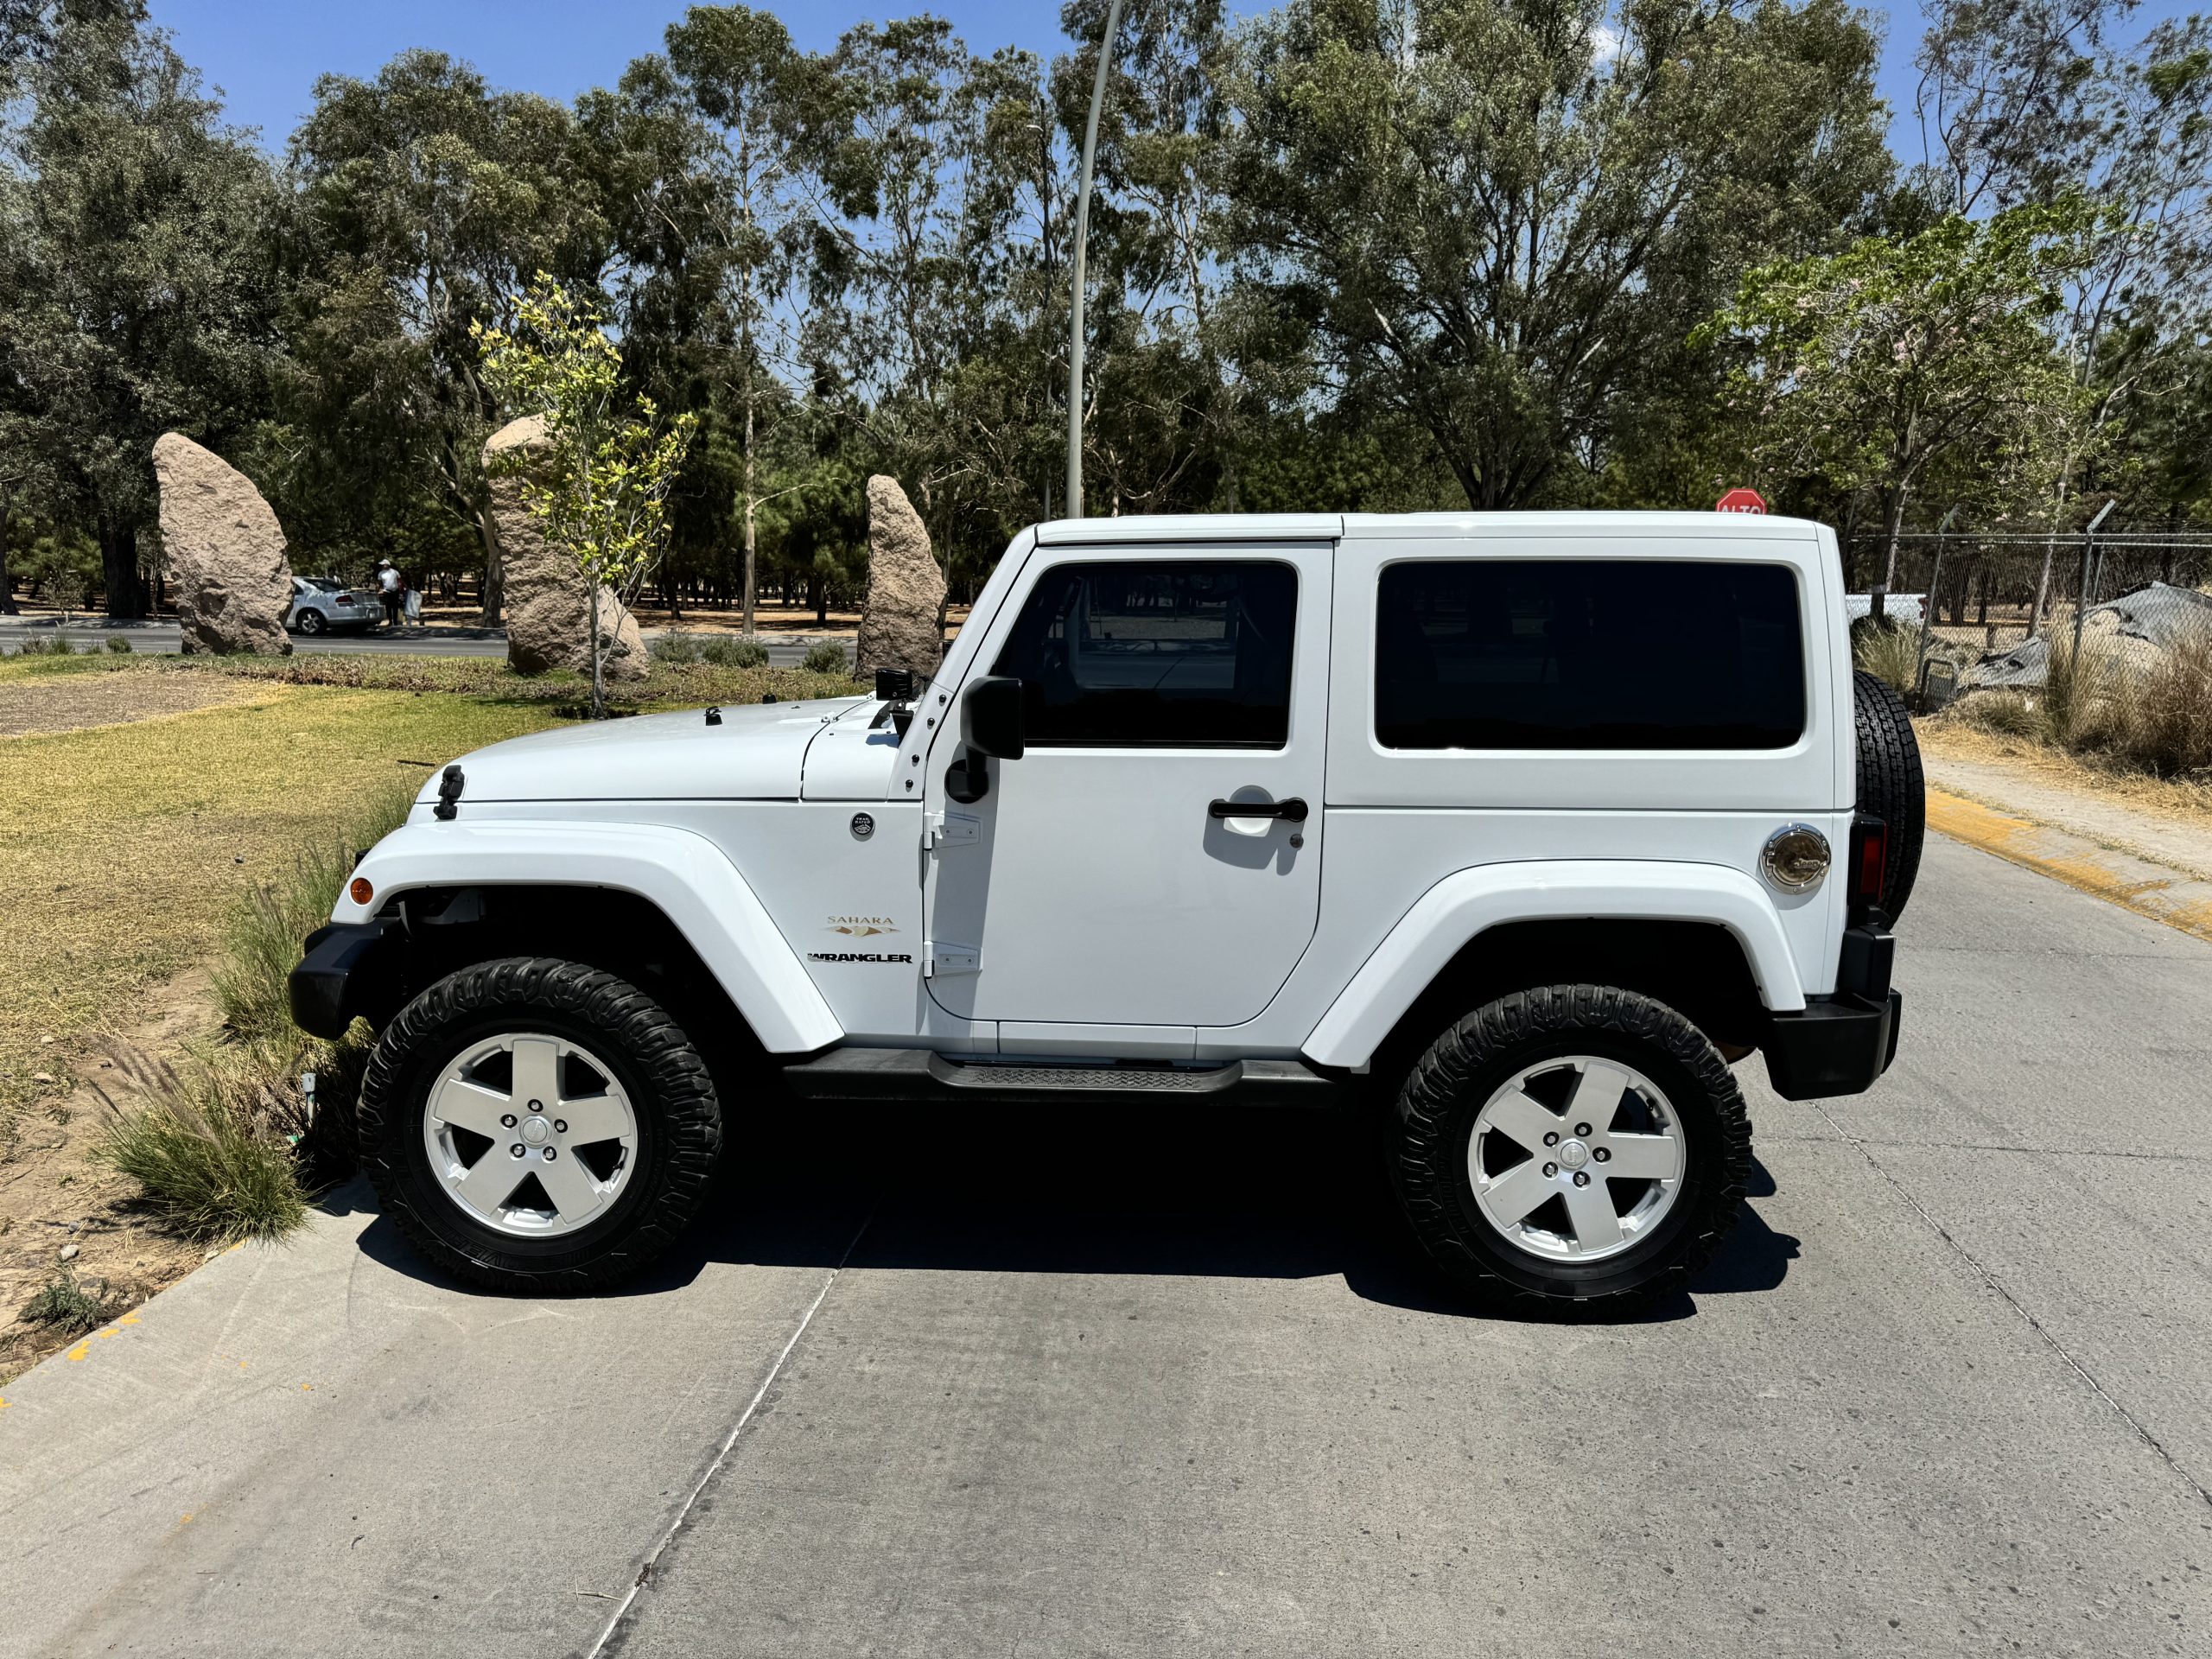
{"x": 1498, "y": 217}
{"x": 427, "y": 201}
{"x": 741, "y": 74}
{"x": 141, "y": 286}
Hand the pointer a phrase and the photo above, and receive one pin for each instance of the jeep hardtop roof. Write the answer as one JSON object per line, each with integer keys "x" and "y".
{"x": 1472, "y": 526}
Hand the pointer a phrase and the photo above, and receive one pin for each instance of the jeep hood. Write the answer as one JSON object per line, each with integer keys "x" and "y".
{"x": 757, "y": 753}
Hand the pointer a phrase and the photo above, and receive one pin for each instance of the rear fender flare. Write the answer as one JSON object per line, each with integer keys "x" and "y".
{"x": 1471, "y": 902}
{"x": 683, "y": 874}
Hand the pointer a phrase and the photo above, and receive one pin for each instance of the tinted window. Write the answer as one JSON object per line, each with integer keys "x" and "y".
{"x": 1588, "y": 654}
{"x": 1157, "y": 654}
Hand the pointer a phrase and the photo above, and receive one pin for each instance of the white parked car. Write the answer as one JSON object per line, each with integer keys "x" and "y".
{"x": 324, "y": 605}
{"x": 1519, "y": 830}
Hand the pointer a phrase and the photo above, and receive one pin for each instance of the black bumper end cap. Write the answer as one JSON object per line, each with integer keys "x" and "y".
{"x": 343, "y": 975}
{"x": 1838, "y": 1046}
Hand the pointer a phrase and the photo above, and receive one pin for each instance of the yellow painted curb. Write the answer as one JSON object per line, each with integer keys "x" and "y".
{"x": 2161, "y": 893}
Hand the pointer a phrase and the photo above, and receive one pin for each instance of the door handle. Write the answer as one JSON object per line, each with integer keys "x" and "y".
{"x": 1292, "y": 810}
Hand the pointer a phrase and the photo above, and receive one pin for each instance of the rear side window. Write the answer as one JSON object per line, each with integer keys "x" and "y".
{"x": 1156, "y": 654}
{"x": 1588, "y": 654}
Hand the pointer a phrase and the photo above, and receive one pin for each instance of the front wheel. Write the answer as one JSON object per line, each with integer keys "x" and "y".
{"x": 537, "y": 1125}
{"x": 1572, "y": 1144}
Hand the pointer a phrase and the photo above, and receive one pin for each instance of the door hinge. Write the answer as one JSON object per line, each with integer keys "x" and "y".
{"x": 952, "y": 829}
{"x": 938, "y": 960}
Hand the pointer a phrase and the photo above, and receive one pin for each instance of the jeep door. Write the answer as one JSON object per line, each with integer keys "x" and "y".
{"x": 1106, "y": 878}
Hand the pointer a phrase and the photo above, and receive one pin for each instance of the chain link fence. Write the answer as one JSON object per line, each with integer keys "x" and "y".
{"x": 1964, "y": 610}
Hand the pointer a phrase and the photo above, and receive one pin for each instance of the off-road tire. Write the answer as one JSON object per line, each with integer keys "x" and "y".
{"x": 1429, "y": 1125}
{"x": 679, "y": 1121}
{"x": 1892, "y": 786}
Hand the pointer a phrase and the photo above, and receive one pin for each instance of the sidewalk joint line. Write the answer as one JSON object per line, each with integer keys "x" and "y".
{"x": 647, "y": 1569}
{"x": 2019, "y": 1308}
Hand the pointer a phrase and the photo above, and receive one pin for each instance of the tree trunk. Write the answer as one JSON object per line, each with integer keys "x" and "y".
{"x": 598, "y": 658}
{"x": 7, "y": 577}
{"x": 493, "y": 589}
{"x": 1893, "y": 525}
{"x": 750, "y": 567}
{"x": 126, "y": 594}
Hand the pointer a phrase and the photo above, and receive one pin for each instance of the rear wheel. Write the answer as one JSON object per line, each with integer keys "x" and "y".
{"x": 311, "y": 622}
{"x": 537, "y": 1125}
{"x": 1574, "y": 1144}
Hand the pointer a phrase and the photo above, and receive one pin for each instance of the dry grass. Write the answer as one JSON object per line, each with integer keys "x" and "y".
{"x": 212, "y": 1146}
{"x": 2175, "y": 801}
{"x": 126, "y": 850}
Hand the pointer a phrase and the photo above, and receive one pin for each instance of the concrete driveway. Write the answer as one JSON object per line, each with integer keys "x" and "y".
{"x": 1104, "y": 1386}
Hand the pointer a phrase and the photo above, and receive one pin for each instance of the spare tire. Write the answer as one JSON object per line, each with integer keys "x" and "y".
{"x": 1892, "y": 786}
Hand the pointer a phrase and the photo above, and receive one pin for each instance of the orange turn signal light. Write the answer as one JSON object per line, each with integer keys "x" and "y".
{"x": 360, "y": 890}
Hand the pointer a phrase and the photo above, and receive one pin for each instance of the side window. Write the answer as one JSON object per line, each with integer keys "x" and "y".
{"x": 1588, "y": 654}
{"x": 1156, "y": 654}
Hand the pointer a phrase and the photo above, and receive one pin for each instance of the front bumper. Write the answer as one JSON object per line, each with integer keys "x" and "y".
{"x": 1840, "y": 1044}
{"x": 350, "y": 970}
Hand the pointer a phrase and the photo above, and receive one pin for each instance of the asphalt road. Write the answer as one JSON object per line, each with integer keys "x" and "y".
{"x": 438, "y": 641}
{"x": 1108, "y": 1386}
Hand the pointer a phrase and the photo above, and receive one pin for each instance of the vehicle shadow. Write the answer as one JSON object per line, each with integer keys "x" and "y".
{"x": 1109, "y": 1188}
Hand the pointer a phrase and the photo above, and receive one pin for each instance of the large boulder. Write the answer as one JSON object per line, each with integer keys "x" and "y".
{"x": 225, "y": 552}
{"x": 548, "y": 601}
{"x": 900, "y": 622}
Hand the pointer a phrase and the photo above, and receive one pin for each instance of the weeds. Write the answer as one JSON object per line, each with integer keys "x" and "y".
{"x": 2160, "y": 722}
{"x": 2001, "y": 714}
{"x": 46, "y": 645}
{"x": 826, "y": 657}
{"x": 212, "y": 1146}
{"x": 66, "y": 1307}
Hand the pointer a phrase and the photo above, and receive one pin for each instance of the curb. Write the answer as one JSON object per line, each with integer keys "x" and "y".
{"x": 2157, "y": 891}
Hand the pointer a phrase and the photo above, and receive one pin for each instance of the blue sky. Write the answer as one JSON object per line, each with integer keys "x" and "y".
{"x": 265, "y": 55}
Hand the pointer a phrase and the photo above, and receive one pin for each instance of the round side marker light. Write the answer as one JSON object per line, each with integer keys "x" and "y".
{"x": 361, "y": 890}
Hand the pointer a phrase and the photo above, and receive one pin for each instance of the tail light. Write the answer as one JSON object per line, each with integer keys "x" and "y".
{"x": 1870, "y": 857}
{"x": 343, "y": 598}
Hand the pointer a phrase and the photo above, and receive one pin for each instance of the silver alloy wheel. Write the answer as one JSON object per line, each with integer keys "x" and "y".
{"x": 1513, "y": 1192}
{"x": 487, "y": 1138}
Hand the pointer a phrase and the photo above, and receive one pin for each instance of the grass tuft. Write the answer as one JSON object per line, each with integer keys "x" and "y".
{"x": 2001, "y": 714}
{"x": 1889, "y": 653}
{"x": 52, "y": 644}
{"x": 2160, "y": 720}
{"x": 212, "y": 1146}
{"x": 65, "y": 1306}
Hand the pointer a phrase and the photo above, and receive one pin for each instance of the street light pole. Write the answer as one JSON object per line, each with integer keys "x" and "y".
{"x": 1073, "y": 505}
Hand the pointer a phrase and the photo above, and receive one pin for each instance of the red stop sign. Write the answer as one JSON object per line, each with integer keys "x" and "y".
{"x": 1741, "y": 500}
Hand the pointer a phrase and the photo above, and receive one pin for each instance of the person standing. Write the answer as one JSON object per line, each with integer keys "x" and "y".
{"x": 388, "y": 590}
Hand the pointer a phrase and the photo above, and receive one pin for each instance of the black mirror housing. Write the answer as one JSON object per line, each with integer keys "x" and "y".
{"x": 990, "y": 717}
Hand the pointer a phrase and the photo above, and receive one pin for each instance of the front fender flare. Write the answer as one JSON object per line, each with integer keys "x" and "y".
{"x": 683, "y": 874}
{"x": 1470, "y": 902}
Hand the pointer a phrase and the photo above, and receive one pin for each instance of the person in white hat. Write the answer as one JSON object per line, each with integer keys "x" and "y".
{"x": 388, "y": 590}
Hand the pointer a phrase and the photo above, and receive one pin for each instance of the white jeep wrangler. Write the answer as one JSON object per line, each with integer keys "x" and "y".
{"x": 1522, "y": 828}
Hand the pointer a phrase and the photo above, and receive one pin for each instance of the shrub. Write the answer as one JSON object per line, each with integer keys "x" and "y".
{"x": 826, "y": 657}
{"x": 66, "y": 1307}
{"x": 46, "y": 645}
{"x": 213, "y": 1148}
{"x": 118, "y": 645}
{"x": 674, "y": 648}
{"x": 727, "y": 650}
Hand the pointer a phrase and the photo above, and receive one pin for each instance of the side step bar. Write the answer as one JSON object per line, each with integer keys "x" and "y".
{"x": 921, "y": 1074}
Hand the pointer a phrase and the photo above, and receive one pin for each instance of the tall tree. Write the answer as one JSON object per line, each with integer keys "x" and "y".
{"x": 1877, "y": 364}
{"x": 1496, "y": 217}
{"x": 139, "y": 243}
{"x": 428, "y": 200}
{"x": 739, "y": 67}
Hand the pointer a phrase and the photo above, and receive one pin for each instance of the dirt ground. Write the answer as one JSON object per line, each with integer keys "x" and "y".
{"x": 72, "y": 703}
{"x": 55, "y": 1197}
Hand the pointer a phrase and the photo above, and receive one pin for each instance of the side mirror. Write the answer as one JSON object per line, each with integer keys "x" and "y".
{"x": 990, "y": 717}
